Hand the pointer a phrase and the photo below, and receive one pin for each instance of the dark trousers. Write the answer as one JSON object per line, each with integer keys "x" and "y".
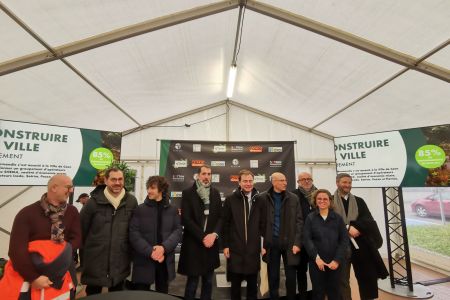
{"x": 161, "y": 280}
{"x": 192, "y": 283}
{"x": 325, "y": 282}
{"x": 302, "y": 268}
{"x": 236, "y": 280}
{"x": 96, "y": 289}
{"x": 273, "y": 269}
{"x": 344, "y": 281}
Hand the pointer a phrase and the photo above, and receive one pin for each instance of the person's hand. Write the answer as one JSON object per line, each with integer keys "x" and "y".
{"x": 209, "y": 239}
{"x": 157, "y": 253}
{"x": 41, "y": 282}
{"x": 295, "y": 249}
{"x": 320, "y": 264}
{"x": 353, "y": 232}
{"x": 226, "y": 252}
{"x": 263, "y": 251}
{"x": 333, "y": 265}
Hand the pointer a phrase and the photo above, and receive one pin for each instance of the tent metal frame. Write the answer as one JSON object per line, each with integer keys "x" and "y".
{"x": 399, "y": 260}
{"x": 120, "y": 34}
{"x": 228, "y": 103}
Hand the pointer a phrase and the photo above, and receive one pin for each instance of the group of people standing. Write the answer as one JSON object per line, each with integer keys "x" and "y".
{"x": 307, "y": 228}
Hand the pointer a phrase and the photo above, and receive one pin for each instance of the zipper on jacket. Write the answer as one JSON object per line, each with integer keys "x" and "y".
{"x": 109, "y": 250}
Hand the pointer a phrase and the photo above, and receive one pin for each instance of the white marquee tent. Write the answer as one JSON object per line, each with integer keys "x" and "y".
{"x": 306, "y": 71}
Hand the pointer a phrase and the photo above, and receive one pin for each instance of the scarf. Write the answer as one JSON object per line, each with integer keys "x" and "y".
{"x": 115, "y": 201}
{"x": 56, "y": 215}
{"x": 203, "y": 191}
{"x": 352, "y": 207}
{"x": 308, "y": 194}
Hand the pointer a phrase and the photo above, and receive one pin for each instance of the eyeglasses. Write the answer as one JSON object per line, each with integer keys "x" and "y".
{"x": 306, "y": 179}
{"x": 68, "y": 186}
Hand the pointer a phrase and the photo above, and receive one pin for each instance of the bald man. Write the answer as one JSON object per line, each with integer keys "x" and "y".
{"x": 48, "y": 222}
{"x": 282, "y": 237}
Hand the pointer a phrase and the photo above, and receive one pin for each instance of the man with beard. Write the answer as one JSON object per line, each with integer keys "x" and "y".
{"x": 43, "y": 236}
{"x": 201, "y": 217}
{"x": 304, "y": 191}
{"x": 365, "y": 240}
{"x": 243, "y": 225}
{"x": 104, "y": 223}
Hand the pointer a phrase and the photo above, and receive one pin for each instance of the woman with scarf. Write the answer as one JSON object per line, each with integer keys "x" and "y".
{"x": 155, "y": 232}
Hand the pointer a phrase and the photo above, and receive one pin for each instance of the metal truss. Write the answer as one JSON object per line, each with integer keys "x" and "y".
{"x": 397, "y": 238}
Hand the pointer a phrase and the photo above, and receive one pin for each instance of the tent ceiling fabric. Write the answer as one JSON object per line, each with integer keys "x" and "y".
{"x": 14, "y": 41}
{"x": 165, "y": 72}
{"x": 398, "y": 25}
{"x": 283, "y": 70}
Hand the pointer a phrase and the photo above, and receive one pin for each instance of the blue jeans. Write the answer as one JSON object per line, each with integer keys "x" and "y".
{"x": 192, "y": 283}
{"x": 273, "y": 269}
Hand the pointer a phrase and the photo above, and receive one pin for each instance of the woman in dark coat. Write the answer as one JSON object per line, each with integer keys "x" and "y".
{"x": 326, "y": 240}
{"x": 155, "y": 231}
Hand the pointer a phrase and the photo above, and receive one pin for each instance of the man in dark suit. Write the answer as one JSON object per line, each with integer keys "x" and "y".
{"x": 243, "y": 225}
{"x": 201, "y": 217}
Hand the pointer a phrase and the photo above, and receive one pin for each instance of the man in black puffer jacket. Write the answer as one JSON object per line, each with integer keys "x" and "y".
{"x": 104, "y": 224}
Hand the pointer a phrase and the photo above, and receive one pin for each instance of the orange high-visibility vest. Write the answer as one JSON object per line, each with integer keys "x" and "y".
{"x": 12, "y": 284}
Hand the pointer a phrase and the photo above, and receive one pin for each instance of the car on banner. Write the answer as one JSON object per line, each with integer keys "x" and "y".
{"x": 430, "y": 206}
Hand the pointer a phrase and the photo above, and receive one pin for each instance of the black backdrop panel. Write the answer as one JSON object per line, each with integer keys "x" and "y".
{"x": 180, "y": 160}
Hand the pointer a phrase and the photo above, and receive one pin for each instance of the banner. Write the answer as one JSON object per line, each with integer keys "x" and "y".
{"x": 417, "y": 157}
{"x": 179, "y": 162}
{"x": 31, "y": 153}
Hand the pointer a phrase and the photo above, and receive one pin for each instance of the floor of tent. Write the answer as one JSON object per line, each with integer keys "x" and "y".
{"x": 441, "y": 291}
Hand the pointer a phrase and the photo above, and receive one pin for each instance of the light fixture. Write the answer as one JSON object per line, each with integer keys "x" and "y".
{"x": 231, "y": 81}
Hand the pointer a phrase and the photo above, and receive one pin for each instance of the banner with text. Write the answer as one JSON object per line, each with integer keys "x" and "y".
{"x": 179, "y": 162}
{"x": 415, "y": 157}
{"x": 31, "y": 153}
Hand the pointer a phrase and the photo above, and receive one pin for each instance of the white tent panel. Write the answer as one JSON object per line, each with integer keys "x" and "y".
{"x": 10, "y": 210}
{"x": 14, "y": 40}
{"x": 166, "y": 72}
{"x": 60, "y": 22}
{"x": 248, "y": 126}
{"x": 53, "y": 94}
{"x": 412, "y": 27}
{"x": 310, "y": 75}
{"x": 412, "y": 100}
{"x": 4, "y": 244}
{"x": 441, "y": 58}
{"x": 9, "y": 192}
{"x": 143, "y": 145}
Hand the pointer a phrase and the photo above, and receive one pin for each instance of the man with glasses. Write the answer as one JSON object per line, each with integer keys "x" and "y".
{"x": 304, "y": 191}
{"x": 282, "y": 235}
{"x": 104, "y": 223}
{"x": 41, "y": 231}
